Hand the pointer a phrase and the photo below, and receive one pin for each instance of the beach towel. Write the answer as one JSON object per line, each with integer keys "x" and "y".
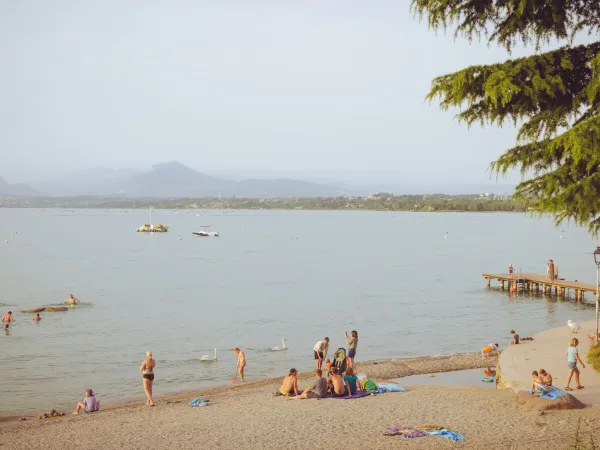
{"x": 447, "y": 434}
{"x": 198, "y": 402}
{"x": 390, "y": 388}
{"x": 359, "y": 394}
{"x": 433, "y": 430}
{"x": 551, "y": 393}
{"x": 488, "y": 379}
{"x": 406, "y": 432}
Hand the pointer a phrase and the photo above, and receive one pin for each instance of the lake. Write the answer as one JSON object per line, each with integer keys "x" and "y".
{"x": 301, "y": 275}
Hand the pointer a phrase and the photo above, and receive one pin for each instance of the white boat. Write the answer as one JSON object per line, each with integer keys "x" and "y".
{"x": 203, "y": 233}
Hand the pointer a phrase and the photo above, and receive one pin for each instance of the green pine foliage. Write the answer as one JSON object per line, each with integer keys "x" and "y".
{"x": 593, "y": 357}
{"x": 553, "y": 97}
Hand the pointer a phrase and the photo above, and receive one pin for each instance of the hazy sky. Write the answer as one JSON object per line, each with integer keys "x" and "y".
{"x": 320, "y": 88}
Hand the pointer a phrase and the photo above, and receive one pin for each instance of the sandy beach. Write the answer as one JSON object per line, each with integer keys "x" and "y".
{"x": 250, "y": 416}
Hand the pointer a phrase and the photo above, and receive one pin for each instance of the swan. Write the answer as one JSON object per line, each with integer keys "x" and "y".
{"x": 277, "y": 348}
{"x": 574, "y": 326}
{"x": 207, "y": 358}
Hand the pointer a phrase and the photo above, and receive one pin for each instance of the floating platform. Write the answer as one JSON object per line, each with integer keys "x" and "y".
{"x": 540, "y": 283}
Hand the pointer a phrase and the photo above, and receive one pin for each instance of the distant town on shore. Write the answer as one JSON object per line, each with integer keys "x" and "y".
{"x": 376, "y": 202}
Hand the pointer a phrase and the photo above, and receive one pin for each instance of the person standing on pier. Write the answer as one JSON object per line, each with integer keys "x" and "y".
{"x": 510, "y": 270}
{"x": 550, "y": 271}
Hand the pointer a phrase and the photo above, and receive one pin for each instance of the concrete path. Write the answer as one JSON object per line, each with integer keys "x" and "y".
{"x": 547, "y": 351}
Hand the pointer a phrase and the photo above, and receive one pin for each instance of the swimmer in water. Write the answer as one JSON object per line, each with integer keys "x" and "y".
{"x": 8, "y": 318}
{"x": 37, "y": 318}
{"x": 72, "y": 300}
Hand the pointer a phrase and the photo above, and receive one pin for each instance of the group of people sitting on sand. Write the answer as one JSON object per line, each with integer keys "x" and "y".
{"x": 335, "y": 385}
{"x": 341, "y": 379}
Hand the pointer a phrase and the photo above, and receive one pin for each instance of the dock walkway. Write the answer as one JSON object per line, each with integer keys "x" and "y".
{"x": 531, "y": 282}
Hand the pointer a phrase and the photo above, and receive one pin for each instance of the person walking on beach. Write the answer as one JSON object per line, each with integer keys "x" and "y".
{"x": 352, "y": 342}
{"x": 37, "y": 318}
{"x": 72, "y": 300}
{"x": 290, "y": 384}
{"x": 147, "y": 369}
{"x": 572, "y": 359}
{"x": 241, "y": 363}
{"x": 317, "y": 390}
{"x": 321, "y": 348}
{"x": 8, "y": 318}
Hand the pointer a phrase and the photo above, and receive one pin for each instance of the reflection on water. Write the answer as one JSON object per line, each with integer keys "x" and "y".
{"x": 271, "y": 274}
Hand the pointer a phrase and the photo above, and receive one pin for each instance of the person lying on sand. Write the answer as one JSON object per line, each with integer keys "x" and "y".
{"x": 37, "y": 318}
{"x": 489, "y": 349}
{"x": 89, "y": 404}
{"x": 290, "y": 384}
{"x": 317, "y": 390}
{"x": 336, "y": 385}
{"x": 72, "y": 300}
{"x": 546, "y": 378}
{"x": 8, "y": 318}
{"x": 515, "y": 338}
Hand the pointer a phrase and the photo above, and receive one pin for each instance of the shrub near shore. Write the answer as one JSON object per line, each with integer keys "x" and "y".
{"x": 593, "y": 356}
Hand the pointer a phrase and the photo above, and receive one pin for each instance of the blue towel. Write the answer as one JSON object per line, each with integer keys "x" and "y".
{"x": 390, "y": 388}
{"x": 445, "y": 433}
{"x": 198, "y": 401}
{"x": 552, "y": 394}
{"x": 488, "y": 379}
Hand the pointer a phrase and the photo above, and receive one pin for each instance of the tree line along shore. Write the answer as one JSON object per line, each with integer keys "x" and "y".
{"x": 377, "y": 202}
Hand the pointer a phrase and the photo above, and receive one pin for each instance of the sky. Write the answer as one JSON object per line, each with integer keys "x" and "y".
{"x": 330, "y": 90}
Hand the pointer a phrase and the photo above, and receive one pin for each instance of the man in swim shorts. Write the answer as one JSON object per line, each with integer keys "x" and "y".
{"x": 321, "y": 348}
{"x": 72, "y": 300}
{"x": 337, "y": 386}
{"x": 241, "y": 363}
{"x": 8, "y": 318}
{"x": 290, "y": 384}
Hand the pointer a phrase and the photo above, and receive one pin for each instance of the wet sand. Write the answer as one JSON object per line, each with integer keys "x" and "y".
{"x": 250, "y": 416}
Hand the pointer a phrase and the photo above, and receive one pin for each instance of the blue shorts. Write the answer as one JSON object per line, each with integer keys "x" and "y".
{"x": 351, "y": 352}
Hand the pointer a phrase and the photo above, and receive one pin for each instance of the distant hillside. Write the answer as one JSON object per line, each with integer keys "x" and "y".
{"x": 175, "y": 180}
{"x": 18, "y": 189}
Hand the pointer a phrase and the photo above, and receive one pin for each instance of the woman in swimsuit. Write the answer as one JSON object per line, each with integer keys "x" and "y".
{"x": 147, "y": 369}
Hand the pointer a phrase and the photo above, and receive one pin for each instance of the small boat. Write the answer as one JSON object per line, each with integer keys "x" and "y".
{"x": 203, "y": 233}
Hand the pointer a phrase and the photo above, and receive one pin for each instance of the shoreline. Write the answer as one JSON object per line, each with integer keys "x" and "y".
{"x": 380, "y": 370}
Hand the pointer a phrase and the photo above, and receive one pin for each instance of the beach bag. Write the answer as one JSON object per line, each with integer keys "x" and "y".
{"x": 369, "y": 386}
{"x": 340, "y": 361}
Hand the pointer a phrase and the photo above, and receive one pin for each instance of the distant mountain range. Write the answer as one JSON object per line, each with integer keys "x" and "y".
{"x": 174, "y": 180}
{"x": 17, "y": 190}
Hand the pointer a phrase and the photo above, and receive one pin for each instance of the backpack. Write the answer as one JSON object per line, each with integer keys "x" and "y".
{"x": 369, "y": 385}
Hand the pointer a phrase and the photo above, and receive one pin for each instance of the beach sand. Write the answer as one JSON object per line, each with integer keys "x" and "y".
{"x": 250, "y": 416}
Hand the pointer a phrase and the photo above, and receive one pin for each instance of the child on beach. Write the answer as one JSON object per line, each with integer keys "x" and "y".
{"x": 489, "y": 349}
{"x": 546, "y": 378}
{"x": 352, "y": 381}
{"x": 89, "y": 404}
{"x": 536, "y": 382}
{"x": 515, "y": 337}
{"x": 572, "y": 359}
{"x": 241, "y": 363}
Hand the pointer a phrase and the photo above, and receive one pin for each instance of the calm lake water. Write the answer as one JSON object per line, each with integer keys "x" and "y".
{"x": 295, "y": 274}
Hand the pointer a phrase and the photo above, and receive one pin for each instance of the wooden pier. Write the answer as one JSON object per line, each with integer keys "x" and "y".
{"x": 540, "y": 283}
